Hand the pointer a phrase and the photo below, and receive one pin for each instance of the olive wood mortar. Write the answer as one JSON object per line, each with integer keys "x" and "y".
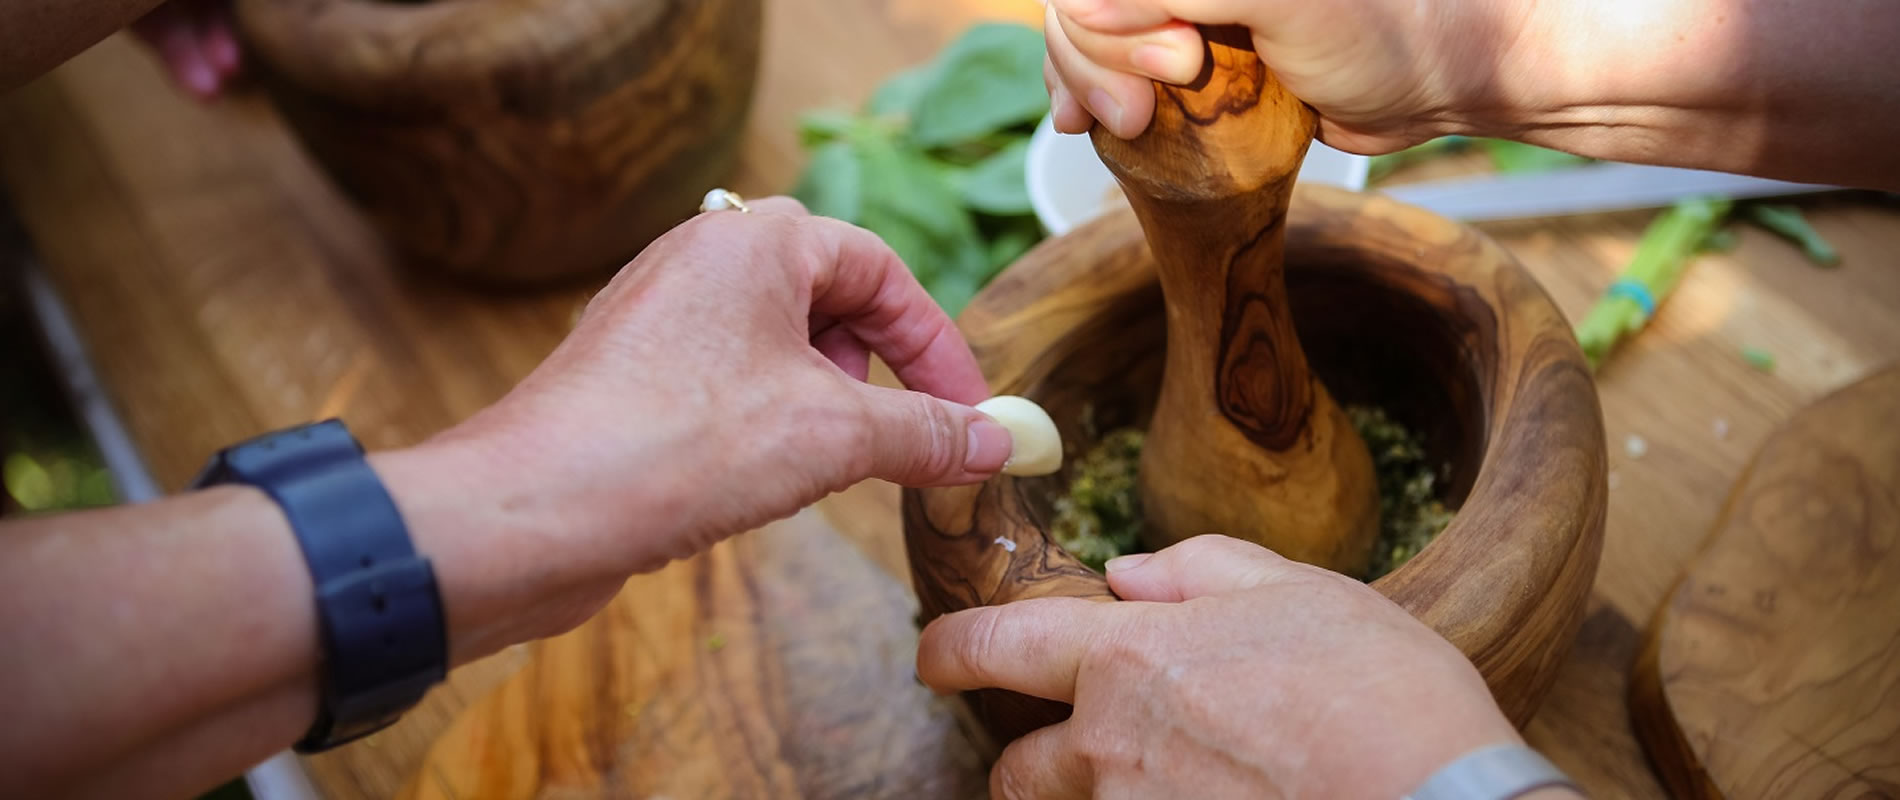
{"x": 1392, "y": 306}
{"x": 513, "y": 141}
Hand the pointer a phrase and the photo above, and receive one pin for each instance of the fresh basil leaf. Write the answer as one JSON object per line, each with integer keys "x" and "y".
{"x": 833, "y": 184}
{"x": 970, "y": 152}
{"x": 1511, "y": 157}
{"x": 996, "y": 185}
{"x": 910, "y": 205}
{"x": 899, "y": 95}
{"x": 971, "y": 256}
{"x": 937, "y": 145}
{"x": 953, "y": 290}
{"x": 907, "y": 184}
{"x": 1012, "y": 241}
{"x": 950, "y": 271}
{"x": 987, "y": 80}
{"x": 918, "y": 249}
{"x": 824, "y": 125}
{"x": 974, "y": 261}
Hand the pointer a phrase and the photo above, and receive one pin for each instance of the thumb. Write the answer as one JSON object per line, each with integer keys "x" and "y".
{"x": 918, "y": 440}
{"x": 1201, "y": 566}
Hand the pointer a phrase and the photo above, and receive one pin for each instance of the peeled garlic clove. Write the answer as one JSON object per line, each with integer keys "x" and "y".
{"x": 1036, "y": 444}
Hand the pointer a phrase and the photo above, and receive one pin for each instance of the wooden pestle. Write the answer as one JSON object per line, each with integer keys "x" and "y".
{"x": 1245, "y": 440}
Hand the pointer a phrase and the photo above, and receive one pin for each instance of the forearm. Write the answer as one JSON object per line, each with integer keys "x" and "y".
{"x": 127, "y": 623}
{"x": 37, "y": 35}
{"x": 178, "y": 640}
{"x": 1790, "y": 90}
{"x": 188, "y": 761}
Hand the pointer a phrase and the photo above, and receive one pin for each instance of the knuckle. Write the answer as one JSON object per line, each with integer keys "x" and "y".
{"x": 980, "y": 643}
{"x": 785, "y": 233}
{"x": 1122, "y": 651}
{"x": 936, "y": 450}
{"x": 1206, "y": 548}
{"x": 1321, "y": 580}
{"x": 1008, "y": 780}
{"x": 1107, "y": 750}
{"x": 835, "y": 431}
{"x": 1256, "y": 560}
{"x": 1190, "y": 548}
{"x": 813, "y": 233}
{"x": 846, "y": 423}
{"x": 791, "y": 204}
{"x": 1219, "y": 543}
{"x": 715, "y": 237}
{"x": 811, "y": 246}
{"x": 598, "y": 301}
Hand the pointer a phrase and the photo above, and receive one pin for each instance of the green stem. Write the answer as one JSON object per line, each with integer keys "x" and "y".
{"x": 1667, "y": 247}
{"x": 1788, "y": 222}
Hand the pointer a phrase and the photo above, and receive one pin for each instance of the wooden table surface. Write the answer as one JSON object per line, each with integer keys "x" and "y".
{"x": 225, "y": 289}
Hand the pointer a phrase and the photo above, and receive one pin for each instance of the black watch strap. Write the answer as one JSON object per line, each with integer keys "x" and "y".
{"x": 384, "y": 636}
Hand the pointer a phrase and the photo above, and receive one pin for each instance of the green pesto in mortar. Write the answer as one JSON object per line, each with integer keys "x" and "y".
{"x": 1100, "y": 517}
{"x": 1410, "y": 513}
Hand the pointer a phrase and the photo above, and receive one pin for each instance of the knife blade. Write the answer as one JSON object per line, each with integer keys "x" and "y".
{"x": 1582, "y": 190}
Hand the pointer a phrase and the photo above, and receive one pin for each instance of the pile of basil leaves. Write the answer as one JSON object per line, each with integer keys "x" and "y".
{"x": 933, "y": 163}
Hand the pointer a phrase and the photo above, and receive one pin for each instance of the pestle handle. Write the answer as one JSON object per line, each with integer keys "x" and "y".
{"x": 1244, "y": 440}
{"x": 1211, "y": 179}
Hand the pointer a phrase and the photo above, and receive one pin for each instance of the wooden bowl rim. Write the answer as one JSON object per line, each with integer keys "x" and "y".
{"x": 391, "y": 54}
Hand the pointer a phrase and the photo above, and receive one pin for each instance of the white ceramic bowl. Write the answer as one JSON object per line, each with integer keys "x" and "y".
{"x": 1069, "y": 185}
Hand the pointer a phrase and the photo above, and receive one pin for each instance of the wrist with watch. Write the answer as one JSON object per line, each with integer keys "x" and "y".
{"x": 383, "y": 632}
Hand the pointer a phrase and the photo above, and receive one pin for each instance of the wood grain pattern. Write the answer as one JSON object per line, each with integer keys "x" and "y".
{"x": 1774, "y": 668}
{"x": 226, "y": 288}
{"x": 785, "y": 668}
{"x": 514, "y": 141}
{"x": 1244, "y": 439}
{"x": 1395, "y": 307}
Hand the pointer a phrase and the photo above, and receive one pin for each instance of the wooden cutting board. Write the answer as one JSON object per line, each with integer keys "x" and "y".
{"x": 1773, "y": 669}
{"x": 781, "y": 664}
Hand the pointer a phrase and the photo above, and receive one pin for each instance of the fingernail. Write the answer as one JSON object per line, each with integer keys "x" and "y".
{"x": 201, "y": 78}
{"x": 1124, "y": 563}
{"x": 224, "y": 53}
{"x": 1070, "y": 116}
{"x": 1106, "y": 108}
{"x": 988, "y": 448}
{"x": 1162, "y": 63}
{"x": 933, "y": 690}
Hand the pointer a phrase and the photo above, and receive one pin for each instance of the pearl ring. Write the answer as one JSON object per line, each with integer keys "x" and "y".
{"x": 722, "y": 199}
